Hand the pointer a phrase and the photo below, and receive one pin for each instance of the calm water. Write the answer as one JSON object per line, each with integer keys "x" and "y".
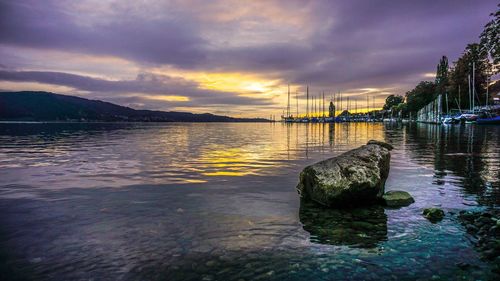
{"x": 218, "y": 202}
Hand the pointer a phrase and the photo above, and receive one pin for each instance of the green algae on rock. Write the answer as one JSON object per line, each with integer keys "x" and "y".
{"x": 354, "y": 178}
{"x": 396, "y": 198}
{"x": 433, "y": 214}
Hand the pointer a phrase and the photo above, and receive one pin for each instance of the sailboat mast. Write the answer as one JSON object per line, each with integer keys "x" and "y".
{"x": 473, "y": 85}
{"x": 297, "y": 101}
{"x": 487, "y": 92}
{"x": 341, "y": 108}
{"x": 470, "y": 100}
{"x": 334, "y": 103}
{"x": 447, "y": 109}
{"x": 307, "y": 105}
{"x": 288, "y": 103}
{"x": 337, "y": 101}
{"x": 317, "y": 106}
{"x": 459, "y": 106}
{"x": 367, "y": 105}
{"x": 313, "y": 106}
{"x": 316, "y": 101}
{"x": 336, "y": 97}
{"x": 348, "y": 102}
{"x": 323, "y": 111}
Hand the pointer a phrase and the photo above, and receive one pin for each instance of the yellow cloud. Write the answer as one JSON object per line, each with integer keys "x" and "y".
{"x": 234, "y": 82}
{"x": 167, "y": 98}
{"x": 35, "y": 86}
{"x": 243, "y": 84}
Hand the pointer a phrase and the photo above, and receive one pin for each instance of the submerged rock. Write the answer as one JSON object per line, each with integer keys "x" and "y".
{"x": 362, "y": 227}
{"x": 396, "y": 198}
{"x": 433, "y": 214}
{"x": 462, "y": 265}
{"x": 354, "y": 178}
{"x": 485, "y": 227}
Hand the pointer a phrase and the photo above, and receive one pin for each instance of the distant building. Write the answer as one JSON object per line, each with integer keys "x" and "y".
{"x": 331, "y": 110}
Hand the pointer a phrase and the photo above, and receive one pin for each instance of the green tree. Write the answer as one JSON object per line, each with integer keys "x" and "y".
{"x": 392, "y": 100}
{"x": 421, "y": 95}
{"x": 401, "y": 109}
{"x": 459, "y": 76}
{"x": 490, "y": 38}
{"x": 442, "y": 76}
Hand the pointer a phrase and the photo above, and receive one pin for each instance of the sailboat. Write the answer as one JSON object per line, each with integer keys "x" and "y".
{"x": 489, "y": 117}
{"x": 470, "y": 117}
{"x": 450, "y": 120}
{"x": 314, "y": 106}
{"x": 447, "y": 118}
{"x": 288, "y": 118}
{"x": 306, "y": 118}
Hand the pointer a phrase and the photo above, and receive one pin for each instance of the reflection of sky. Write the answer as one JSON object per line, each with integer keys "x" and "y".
{"x": 200, "y": 153}
{"x": 171, "y": 153}
{"x": 154, "y": 215}
{"x": 197, "y": 153}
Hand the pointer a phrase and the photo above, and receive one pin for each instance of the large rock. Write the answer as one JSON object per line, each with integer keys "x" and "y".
{"x": 354, "y": 178}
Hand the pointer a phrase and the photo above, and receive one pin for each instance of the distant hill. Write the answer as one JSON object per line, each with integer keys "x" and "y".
{"x": 44, "y": 106}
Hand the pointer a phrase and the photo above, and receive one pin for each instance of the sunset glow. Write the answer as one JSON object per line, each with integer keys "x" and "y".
{"x": 227, "y": 57}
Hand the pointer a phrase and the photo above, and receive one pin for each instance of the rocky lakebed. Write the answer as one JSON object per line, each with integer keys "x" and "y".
{"x": 343, "y": 200}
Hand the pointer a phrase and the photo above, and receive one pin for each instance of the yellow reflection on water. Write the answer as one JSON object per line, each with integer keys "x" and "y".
{"x": 194, "y": 181}
{"x": 180, "y": 153}
{"x": 226, "y": 173}
{"x": 241, "y": 161}
{"x": 259, "y": 149}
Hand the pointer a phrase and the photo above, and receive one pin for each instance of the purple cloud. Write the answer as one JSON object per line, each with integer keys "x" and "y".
{"x": 46, "y": 25}
{"x": 330, "y": 45}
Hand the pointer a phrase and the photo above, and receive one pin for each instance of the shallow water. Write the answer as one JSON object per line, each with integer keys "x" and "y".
{"x": 218, "y": 202}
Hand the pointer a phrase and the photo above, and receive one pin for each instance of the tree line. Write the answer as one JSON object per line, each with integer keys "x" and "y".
{"x": 479, "y": 59}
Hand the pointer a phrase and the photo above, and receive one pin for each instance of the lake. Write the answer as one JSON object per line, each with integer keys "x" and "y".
{"x": 217, "y": 201}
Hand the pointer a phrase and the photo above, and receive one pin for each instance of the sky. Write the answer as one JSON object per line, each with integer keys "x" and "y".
{"x": 231, "y": 57}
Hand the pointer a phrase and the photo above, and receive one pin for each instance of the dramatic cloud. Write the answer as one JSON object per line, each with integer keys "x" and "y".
{"x": 50, "y": 25}
{"x": 173, "y": 46}
{"x": 145, "y": 88}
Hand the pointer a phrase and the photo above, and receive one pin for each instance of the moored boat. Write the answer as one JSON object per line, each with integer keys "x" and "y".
{"x": 451, "y": 119}
{"x": 489, "y": 120}
{"x": 468, "y": 117}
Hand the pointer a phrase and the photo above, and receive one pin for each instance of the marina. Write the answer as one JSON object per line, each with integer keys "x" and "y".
{"x": 232, "y": 140}
{"x": 440, "y": 110}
